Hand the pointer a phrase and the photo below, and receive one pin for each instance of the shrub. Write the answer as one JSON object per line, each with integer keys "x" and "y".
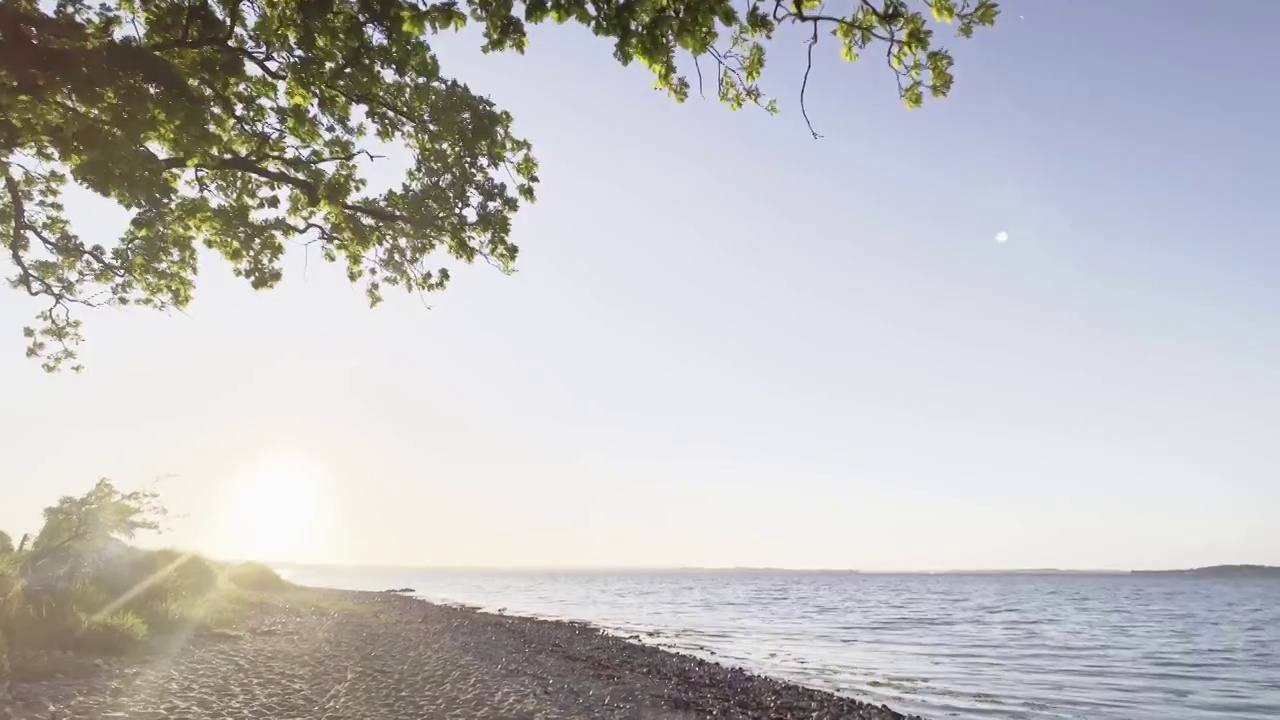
{"x": 155, "y": 577}
{"x": 171, "y": 616}
{"x": 80, "y": 587}
{"x": 8, "y": 585}
{"x": 45, "y": 621}
{"x": 226, "y": 611}
{"x": 183, "y": 575}
{"x": 115, "y": 634}
{"x": 4, "y": 655}
{"x": 257, "y": 577}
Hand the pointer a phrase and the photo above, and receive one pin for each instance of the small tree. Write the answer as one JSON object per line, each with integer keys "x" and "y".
{"x": 83, "y": 524}
{"x": 6, "y": 544}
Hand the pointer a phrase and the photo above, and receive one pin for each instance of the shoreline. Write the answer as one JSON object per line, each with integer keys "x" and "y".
{"x": 338, "y": 654}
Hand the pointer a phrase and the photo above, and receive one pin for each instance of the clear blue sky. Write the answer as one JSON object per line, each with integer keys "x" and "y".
{"x": 729, "y": 344}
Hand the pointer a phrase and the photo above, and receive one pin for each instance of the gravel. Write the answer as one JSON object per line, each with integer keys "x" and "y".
{"x": 329, "y": 655}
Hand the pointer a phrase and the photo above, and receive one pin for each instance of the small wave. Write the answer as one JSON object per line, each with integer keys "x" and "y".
{"x": 1038, "y": 648}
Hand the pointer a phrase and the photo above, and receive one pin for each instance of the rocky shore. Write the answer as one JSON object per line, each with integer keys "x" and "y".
{"x": 329, "y": 655}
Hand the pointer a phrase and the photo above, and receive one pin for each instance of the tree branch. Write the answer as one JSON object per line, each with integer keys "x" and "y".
{"x": 804, "y": 85}
{"x": 306, "y": 186}
{"x": 246, "y": 165}
{"x": 16, "y": 239}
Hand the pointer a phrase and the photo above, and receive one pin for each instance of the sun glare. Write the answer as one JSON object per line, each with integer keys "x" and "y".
{"x": 277, "y": 508}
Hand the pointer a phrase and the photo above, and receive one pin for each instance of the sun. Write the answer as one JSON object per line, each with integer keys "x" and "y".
{"x": 276, "y": 510}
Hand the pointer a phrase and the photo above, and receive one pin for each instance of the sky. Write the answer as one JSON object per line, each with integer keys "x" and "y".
{"x": 730, "y": 344}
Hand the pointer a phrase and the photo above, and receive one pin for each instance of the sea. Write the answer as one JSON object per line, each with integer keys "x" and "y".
{"x": 970, "y": 647}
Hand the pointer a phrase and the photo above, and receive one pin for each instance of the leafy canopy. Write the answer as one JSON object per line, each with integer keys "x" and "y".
{"x": 244, "y": 125}
{"x": 87, "y": 522}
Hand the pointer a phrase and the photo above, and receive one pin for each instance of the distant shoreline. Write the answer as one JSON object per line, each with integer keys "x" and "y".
{"x": 1220, "y": 571}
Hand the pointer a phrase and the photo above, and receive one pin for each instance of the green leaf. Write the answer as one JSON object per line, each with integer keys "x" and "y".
{"x": 943, "y": 10}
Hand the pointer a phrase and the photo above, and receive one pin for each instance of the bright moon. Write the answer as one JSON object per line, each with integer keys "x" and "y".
{"x": 1002, "y": 236}
{"x": 277, "y": 509}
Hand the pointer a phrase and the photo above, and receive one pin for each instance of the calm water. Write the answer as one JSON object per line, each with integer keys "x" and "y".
{"x": 943, "y": 646}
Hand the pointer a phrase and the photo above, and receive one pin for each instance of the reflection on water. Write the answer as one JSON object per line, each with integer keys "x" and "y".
{"x": 944, "y": 646}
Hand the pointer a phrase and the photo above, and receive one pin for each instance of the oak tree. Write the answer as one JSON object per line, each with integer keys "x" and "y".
{"x": 245, "y": 125}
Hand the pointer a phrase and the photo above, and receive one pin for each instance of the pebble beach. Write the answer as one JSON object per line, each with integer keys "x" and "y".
{"x": 330, "y": 655}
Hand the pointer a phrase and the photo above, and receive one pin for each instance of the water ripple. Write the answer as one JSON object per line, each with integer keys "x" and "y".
{"x": 965, "y": 647}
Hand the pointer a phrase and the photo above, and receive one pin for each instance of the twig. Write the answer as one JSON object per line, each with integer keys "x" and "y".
{"x": 804, "y": 85}
{"x": 697, "y": 66}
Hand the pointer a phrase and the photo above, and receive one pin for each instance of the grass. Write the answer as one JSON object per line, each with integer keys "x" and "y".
{"x": 256, "y": 576}
{"x": 114, "y": 634}
{"x": 143, "y": 600}
{"x": 77, "y": 586}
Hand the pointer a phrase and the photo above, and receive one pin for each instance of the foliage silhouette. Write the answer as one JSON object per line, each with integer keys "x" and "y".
{"x": 244, "y": 125}
{"x": 79, "y": 587}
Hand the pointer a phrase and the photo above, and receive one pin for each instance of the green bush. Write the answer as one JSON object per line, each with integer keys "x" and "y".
{"x": 79, "y": 586}
{"x": 8, "y": 586}
{"x": 167, "y": 617}
{"x": 46, "y": 621}
{"x": 257, "y": 577}
{"x": 10, "y": 597}
{"x": 115, "y": 634}
{"x": 153, "y": 578}
{"x": 182, "y": 575}
{"x": 4, "y": 655}
{"x": 144, "y": 593}
{"x": 170, "y": 590}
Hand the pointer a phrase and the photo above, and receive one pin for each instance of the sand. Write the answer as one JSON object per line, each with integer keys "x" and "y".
{"x": 329, "y": 655}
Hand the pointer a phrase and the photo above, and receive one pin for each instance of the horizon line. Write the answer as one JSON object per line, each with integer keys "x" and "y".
{"x": 759, "y": 569}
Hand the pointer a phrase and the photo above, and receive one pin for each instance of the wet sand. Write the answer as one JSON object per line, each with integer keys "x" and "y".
{"x": 330, "y": 655}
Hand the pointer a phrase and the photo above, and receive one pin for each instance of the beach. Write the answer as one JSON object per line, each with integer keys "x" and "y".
{"x": 329, "y": 655}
